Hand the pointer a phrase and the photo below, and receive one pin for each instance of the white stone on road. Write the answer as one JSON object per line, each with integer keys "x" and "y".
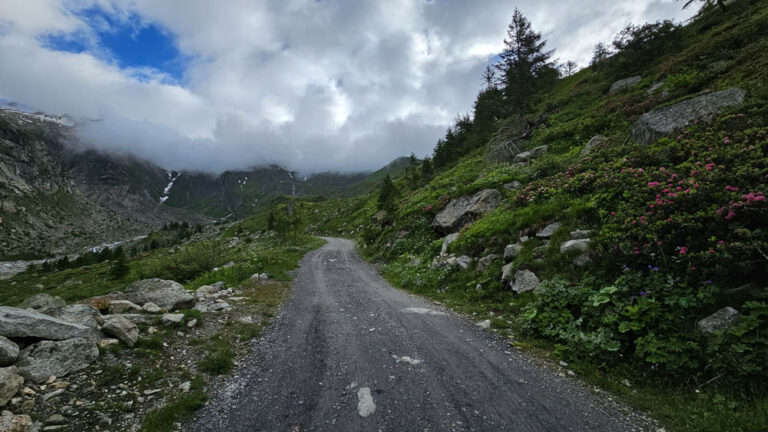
{"x": 365, "y": 405}
{"x": 423, "y": 311}
{"x": 406, "y": 359}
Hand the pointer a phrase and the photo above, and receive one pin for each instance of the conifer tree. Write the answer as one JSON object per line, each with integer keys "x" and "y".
{"x": 524, "y": 63}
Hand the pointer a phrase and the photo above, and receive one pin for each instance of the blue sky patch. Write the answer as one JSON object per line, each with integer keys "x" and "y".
{"x": 129, "y": 42}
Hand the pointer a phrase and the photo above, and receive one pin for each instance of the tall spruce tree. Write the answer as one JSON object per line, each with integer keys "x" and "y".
{"x": 524, "y": 63}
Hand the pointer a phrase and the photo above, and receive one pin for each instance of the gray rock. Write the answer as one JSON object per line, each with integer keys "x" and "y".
{"x": 56, "y": 419}
{"x": 10, "y": 422}
{"x": 219, "y": 306}
{"x": 447, "y": 240}
{"x": 624, "y": 84}
{"x": 123, "y": 306}
{"x": 167, "y": 294}
{"x": 464, "y": 262}
{"x": 121, "y": 328}
{"x": 43, "y": 303}
{"x": 591, "y": 144}
{"x": 719, "y": 320}
{"x": 656, "y": 124}
{"x": 219, "y": 285}
{"x": 461, "y": 211}
{"x": 539, "y": 151}
{"x": 581, "y": 245}
{"x": 548, "y": 230}
{"x": 172, "y": 319}
{"x": 80, "y": 314}
{"x": 19, "y": 323}
{"x": 579, "y": 234}
{"x": 656, "y": 86}
{"x": 525, "y": 280}
{"x": 205, "y": 291}
{"x": 506, "y": 273}
{"x": 523, "y": 157}
{"x": 56, "y": 358}
{"x": 512, "y": 251}
{"x": 486, "y": 261}
{"x": 9, "y": 351}
{"x": 152, "y": 308}
{"x": 11, "y": 382}
{"x": 484, "y": 324}
{"x": 513, "y": 185}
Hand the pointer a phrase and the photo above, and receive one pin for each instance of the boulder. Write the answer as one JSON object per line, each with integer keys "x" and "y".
{"x": 719, "y": 320}
{"x": 82, "y": 314}
{"x": 20, "y": 323}
{"x": 461, "y": 211}
{"x": 43, "y": 303}
{"x": 624, "y": 84}
{"x": 107, "y": 342}
{"x": 9, "y": 351}
{"x": 512, "y": 251}
{"x": 121, "y": 328}
{"x": 101, "y": 303}
{"x": 44, "y": 359}
{"x": 464, "y": 262}
{"x": 664, "y": 121}
{"x": 513, "y": 185}
{"x": 152, "y": 308}
{"x": 10, "y": 422}
{"x": 11, "y": 382}
{"x": 167, "y": 294}
{"x": 206, "y": 291}
{"x": 447, "y": 240}
{"x": 259, "y": 277}
{"x": 173, "y": 319}
{"x": 548, "y": 230}
{"x": 581, "y": 245}
{"x": 591, "y": 144}
{"x": 486, "y": 261}
{"x": 138, "y": 318}
{"x": 525, "y": 280}
{"x": 484, "y": 324}
{"x": 123, "y": 306}
{"x": 506, "y": 273}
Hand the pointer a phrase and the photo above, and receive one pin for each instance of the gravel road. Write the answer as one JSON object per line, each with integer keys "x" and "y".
{"x": 349, "y": 352}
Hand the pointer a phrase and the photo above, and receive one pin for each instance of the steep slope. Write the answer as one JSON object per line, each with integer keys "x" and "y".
{"x": 626, "y": 231}
{"x": 55, "y": 199}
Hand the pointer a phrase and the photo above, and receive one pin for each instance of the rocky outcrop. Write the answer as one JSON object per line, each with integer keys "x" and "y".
{"x": 166, "y": 294}
{"x": 9, "y": 351}
{"x": 121, "y": 328}
{"x": 624, "y": 84}
{"x": 461, "y": 211}
{"x": 525, "y": 280}
{"x": 10, "y": 384}
{"x": 20, "y": 323}
{"x": 655, "y": 124}
{"x": 719, "y": 320}
{"x": 44, "y": 359}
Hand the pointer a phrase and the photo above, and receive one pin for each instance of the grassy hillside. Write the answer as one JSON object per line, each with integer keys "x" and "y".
{"x": 677, "y": 226}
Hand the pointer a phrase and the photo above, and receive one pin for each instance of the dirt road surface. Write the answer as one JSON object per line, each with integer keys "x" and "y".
{"x": 351, "y": 353}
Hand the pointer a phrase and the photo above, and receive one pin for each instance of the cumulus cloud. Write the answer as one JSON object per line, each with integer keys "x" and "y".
{"x": 310, "y": 84}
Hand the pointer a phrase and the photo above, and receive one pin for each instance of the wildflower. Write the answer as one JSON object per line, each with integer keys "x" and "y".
{"x": 683, "y": 250}
{"x": 726, "y": 140}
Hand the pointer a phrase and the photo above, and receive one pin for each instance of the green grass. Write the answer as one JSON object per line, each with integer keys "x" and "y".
{"x": 180, "y": 408}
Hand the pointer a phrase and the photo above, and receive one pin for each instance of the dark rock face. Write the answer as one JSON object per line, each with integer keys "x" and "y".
{"x": 655, "y": 124}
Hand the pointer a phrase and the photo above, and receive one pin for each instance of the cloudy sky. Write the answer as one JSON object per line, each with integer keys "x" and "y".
{"x": 310, "y": 84}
